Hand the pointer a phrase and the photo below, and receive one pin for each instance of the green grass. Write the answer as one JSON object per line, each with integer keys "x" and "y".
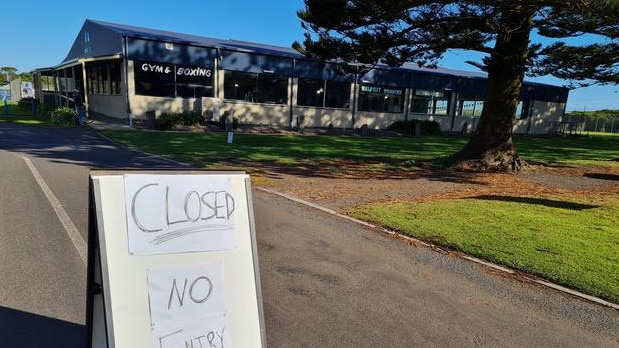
{"x": 21, "y": 116}
{"x": 21, "y": 119}
{"x": 571, "y": 242}
{"x": 211, "y": 148}
{"x": 592, "y": 149}
{"x": 568, "y": 242}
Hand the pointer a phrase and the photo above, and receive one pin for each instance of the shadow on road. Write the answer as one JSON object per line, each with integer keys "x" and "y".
{"x": 23, "y": 329}
{"x": 75, "y": 145}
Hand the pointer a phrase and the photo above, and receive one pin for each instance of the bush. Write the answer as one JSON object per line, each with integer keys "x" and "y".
{"x": 63, "y": 116}
{"x": 191, "y": 118}
{"x": 45, "y": 109}
{"x": 408, "y": 127}
{"x": 235, "y": 123}
{"x": 167, "y": 121}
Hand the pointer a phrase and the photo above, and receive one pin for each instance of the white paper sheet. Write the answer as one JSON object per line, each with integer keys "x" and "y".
{"x": 207, "y": 332}
{"x": 185, "y": 293}
{"x": 179, "y": 213}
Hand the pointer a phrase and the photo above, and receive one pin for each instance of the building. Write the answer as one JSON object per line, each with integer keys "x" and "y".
{"x": 136, "y": 74}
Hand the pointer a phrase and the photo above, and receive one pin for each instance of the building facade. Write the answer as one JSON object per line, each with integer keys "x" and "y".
{"x": 136, "y": 74}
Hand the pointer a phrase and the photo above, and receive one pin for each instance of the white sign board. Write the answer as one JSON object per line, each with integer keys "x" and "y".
{"x": 177, "y": 258}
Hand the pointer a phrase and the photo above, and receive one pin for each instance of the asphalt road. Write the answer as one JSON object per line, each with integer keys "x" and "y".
{"x": 326, "y": 281}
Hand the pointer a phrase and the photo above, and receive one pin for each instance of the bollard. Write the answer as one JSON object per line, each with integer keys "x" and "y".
{"x": 6, "y": 107}
{"x": 230, "y": 137}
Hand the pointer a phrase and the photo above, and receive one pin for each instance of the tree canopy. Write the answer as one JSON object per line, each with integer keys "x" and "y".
{"x": 398, "y": 31}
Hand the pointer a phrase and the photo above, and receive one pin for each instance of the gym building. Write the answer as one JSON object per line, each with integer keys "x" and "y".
{"x": 135, "y": 74}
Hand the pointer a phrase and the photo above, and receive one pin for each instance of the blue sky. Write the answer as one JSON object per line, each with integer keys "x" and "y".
{"x": 40, "y": 33}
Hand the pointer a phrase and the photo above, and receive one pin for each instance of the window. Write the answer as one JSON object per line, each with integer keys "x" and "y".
{"x": 171, "y": 80}
{"x": 470, "y": 106}
{"x": 323, "y": 93}
{"x": 525, "y": 108}
{"x": 103, "y": 78}
{"x": 193, "y": 82}
{"x": 154, "y": 79}
{"x": 255, "y": 88}
{"x": 381, "y": 99}
{"x": 429, "y": 102}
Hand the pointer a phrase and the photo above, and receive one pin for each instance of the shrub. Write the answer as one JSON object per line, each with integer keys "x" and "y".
{"x": 408, "y": 127}
{"x": 191, "y": 118}
{"x": 235, "y": 123}
{"x": 63, "y": 116}
{"x": 45, "y": 109}
{"x": 167, "y": 121}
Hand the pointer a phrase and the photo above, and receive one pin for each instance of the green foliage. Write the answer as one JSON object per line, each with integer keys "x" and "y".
{"x": 595, "y": 121}
{"x": 396, "y": 32}
{"x": 63, "y": 116}
{"x": 192, "y": 118}
{"x": 168, "y": 121}
{"x": 45, "y": 109}
{"x": 408, "y": 127}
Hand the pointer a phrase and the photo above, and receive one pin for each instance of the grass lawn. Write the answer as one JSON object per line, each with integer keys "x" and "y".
{"x": 567, "y": 239}
{"x": 563, "y": 240}
{"x": 16, "y": 115}
{"x": 208, "y": 149}
{"x": 211, "y": 148}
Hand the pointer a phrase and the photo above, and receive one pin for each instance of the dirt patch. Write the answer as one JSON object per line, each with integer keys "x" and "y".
{"x": 354, "y": 184}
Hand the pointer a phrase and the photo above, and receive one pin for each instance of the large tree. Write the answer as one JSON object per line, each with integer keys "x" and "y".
{"x": 398, "y": 31}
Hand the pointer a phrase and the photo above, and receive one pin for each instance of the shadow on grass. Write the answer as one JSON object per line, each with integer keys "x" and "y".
{"x": 602, "y": 176}
{"x": 537, "y": 201}
{"x": 350, "y": 169}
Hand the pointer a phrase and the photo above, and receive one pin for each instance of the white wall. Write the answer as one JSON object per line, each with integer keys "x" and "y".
{"x": 108, "y": 105}
{"x": 539, "y": 123}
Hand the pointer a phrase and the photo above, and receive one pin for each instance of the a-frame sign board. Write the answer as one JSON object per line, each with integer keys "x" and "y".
{"x": 172, "y": 261}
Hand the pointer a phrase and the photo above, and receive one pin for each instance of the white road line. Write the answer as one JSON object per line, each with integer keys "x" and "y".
{"x": 64, "y": 218}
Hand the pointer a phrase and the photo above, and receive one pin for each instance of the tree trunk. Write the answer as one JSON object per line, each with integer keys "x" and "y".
{"x": 491, "y": 147}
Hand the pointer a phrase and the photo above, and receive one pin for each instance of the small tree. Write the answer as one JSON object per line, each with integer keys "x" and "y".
{"x": 398, "y": 31}
{"x": 7, "y": 73}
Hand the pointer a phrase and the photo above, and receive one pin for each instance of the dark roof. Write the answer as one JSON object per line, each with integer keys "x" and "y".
{"x": 244, "y": 46}
{"x": 251, "y": 47}
{"x": 162, "y": 35}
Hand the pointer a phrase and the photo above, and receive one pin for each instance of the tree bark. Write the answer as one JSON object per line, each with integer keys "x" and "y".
{"x": 491, "y": 147}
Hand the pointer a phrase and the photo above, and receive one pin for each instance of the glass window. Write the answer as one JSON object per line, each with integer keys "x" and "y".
{"x": 468, "y": 107}
{"x": 103, "y": 78}
{"x": 323, "y": 93}
{"x": 381, "y": 99}
{"x": 193, "y": 81}
{"x": 311, "y": 92}
{"x": 115, "y": 77}
{"x": 255, "y": 88}
{"x": 429, "y": 102}
{"x": 154, "y": 79}
{"x": 525, "y": 110}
